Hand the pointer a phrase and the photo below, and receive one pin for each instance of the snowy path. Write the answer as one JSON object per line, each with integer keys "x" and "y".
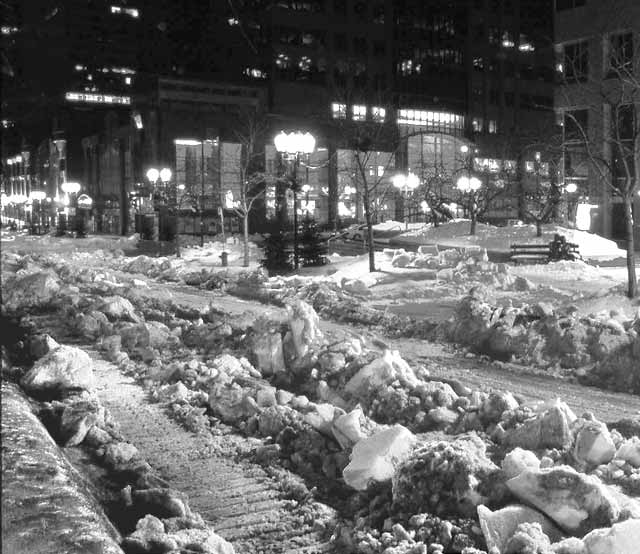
{"x": 531, "y": 384}
{"x": 244, "y": 505}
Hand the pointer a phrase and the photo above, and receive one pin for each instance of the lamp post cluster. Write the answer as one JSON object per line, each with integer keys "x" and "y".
{"x": 159, "y": 180}
{"x": 71, "y": 190}
{"x": 292, "y": 146}
{"x": 469, "y": 185}
{"x": 407, "y": 184}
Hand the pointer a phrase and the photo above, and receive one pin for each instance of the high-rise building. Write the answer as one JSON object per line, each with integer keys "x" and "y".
{"x": 64, "y": 65}
{"x": 434, "y": 75}
{"x": 597, "y": 102}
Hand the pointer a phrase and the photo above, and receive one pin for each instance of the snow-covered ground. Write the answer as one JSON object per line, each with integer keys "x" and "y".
{"x": 455, "y": 234}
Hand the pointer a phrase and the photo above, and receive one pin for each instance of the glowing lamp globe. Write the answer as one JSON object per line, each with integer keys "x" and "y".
{"x": 37, "y": 195}
{"x": 571, "y": 188}
{"x": 153, "y": 174}
{"x": 165, "y": 175}
{"x": 70, "y": 187}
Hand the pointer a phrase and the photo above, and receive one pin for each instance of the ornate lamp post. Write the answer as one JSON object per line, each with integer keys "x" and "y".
{"x": 71, "y": 189}
{"x": 469, "y": 186}
{"x": 407, "y": 184}
{"x": 37, "y": 197}
{"x": 291, "y": 146}
{"x": 155, "y": 177}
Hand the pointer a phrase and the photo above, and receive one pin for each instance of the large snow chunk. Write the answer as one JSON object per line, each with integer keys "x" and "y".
{"x": 116, "y": 307}
{"x": 594, "y": 445}
{"x": 30, "y": 291}
{"x": 321, "y": 418}
{"x": 445, "y": 477}
{"x": 377, "y": 457}
{"x": 401, "y": 259}
{"x": 346, "y": 428}
{"x": 629, "y": 451}
{"x": 64, "y": 368}
{"x": 266, "y": 344}
{"x": 305, "y": 327}
{"x": 577, "y": 502}
{"x": 499, "y": 526}
{"x": 516, "y": 461}
{"x": 382, "y": 371}
{"x": 549, "y": 429}
{"x": 205, "y": 541}
{"x": 621, "y": 538}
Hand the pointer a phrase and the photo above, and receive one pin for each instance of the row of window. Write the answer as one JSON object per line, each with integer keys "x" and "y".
{"x": 358, "y": 112}
{"x": 574, "y": 59}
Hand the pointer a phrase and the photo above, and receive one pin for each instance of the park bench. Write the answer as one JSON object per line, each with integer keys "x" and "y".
{"x": 543, "y": 253}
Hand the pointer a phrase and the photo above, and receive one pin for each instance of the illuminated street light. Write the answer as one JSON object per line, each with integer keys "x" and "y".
{"x": 468, "y": 184}
{"x": 407, "y": 184}
{"x": 165, "y": 175}
{"x": 571, "y": 188}
{"x": 291, "y": 146}
{"x": 71, "y": 187}
{"x": 153, "y": 175}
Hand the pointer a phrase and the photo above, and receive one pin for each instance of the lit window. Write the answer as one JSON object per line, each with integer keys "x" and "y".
{"x": 116, "y": 9}
{"x": 89, "y": 77}
{"x": 507, "y": 41}
{"x": 8, "y": 30}
{"x": 282, "y": 61}
{"x": 255, "y": 73}
{"x": 378, "y": 113}
{"x": 127, "y": 80}
{"x": 338, "y": 110}
{"x": 476, "y": 124}
{"x": 493, "y": 126}
{"x": 80, "y": 67}
{"x": 133, "y": 12}
{"x": 232, "y": 21}
{"x": 526, "y": 47}
{"x": 359, "y": 112}
{"x": 560, "y": 67}
{"x": 304, "y": 64}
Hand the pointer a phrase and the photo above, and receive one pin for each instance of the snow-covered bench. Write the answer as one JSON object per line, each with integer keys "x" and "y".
{"x": 540, "y": 253}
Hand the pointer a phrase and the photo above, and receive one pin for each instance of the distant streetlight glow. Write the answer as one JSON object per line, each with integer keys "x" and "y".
{"x": 153, "y": 174}
{"x": 291, "y": 146}
{"x": 71, "y": 187}
{"x": 571, "y": 188}
{"x": 407, "y": 183}
{"x": 468, "y": 184}
{"x": 165, "y": 175}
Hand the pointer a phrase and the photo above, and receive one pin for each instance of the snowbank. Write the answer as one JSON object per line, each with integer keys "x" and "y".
{"x": 455, "y": 234}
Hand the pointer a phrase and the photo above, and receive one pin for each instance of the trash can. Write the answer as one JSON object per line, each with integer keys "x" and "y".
{"x": 225, "y": 259}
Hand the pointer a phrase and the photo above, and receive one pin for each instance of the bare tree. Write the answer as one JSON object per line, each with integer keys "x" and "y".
{"x": 369, "y": 173}
{"x": 251, "y": 178}
{"x": 615, "y": 99}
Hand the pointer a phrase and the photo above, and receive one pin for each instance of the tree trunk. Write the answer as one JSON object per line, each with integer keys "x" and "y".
{"x": 538, "y": 227}
{"x": 367, "y": 215}
{"x": 245, "y": 221}
{"x": 632, "y": 289}
{"x": 474, "y": 219}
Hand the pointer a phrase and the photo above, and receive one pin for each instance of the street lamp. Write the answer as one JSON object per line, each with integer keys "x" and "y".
{"x": 37, "y": 196}
{"x": 71, "y": 189}
{"x": 407, "y": 183}
{"x": 154, "y": 176}
{"x": 291, "y": 146}
{"x": 469, "y": 186}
